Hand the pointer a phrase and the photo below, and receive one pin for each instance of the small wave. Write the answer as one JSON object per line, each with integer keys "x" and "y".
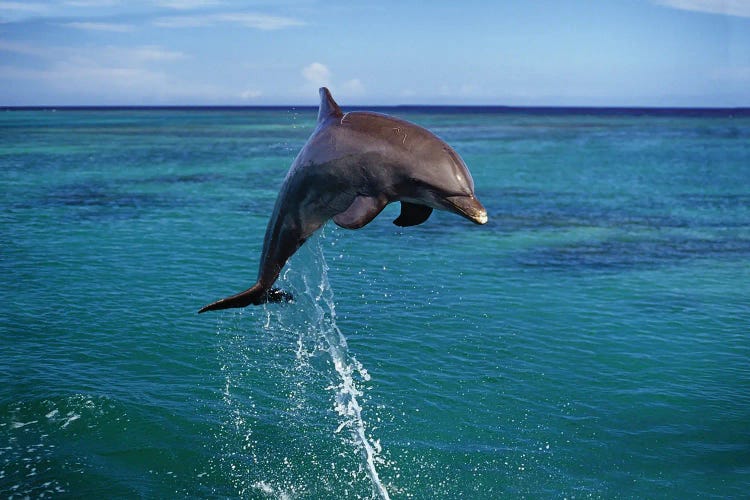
{"x": 33, "y": 464}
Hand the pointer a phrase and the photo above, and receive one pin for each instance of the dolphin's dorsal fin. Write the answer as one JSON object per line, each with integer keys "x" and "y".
{"x": 328, "y": 106}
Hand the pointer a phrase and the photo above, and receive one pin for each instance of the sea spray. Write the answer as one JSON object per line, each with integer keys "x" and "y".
{"x": 272, "y": 436}
{"x": 346, "y": 402}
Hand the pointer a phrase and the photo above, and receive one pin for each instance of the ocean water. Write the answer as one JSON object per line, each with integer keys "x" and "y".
{"x": 591, "y": 341}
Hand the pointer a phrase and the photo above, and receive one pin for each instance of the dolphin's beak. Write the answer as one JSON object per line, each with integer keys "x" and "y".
{"x": 467, "y": 206}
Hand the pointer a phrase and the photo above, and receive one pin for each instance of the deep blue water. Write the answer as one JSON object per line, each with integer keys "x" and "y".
{"x": 590, "y": 341}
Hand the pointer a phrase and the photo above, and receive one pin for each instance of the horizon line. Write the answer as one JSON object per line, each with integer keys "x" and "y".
{"x": 366, "y": 106}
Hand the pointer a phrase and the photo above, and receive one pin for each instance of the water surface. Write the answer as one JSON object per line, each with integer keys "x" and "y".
{"x": 590, "y": 341}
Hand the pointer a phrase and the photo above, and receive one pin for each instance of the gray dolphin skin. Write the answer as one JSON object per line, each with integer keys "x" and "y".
{"x": 352, "y": 166}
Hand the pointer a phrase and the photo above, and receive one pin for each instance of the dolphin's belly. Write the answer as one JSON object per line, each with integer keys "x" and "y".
{"x": 316, "y": 193}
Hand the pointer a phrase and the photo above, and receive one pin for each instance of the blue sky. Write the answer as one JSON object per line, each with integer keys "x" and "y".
{"x": 516, "y": 52}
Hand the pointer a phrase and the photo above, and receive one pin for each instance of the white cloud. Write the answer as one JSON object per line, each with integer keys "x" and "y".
{"x": 245, "y": 19}
{"x": 318, "y": 74}
{"x": 85, "y": 82}
{"x": 110, "y": 27}
{"x": 124, "y": 56}
{"x": 16, "y": 11}
{"x": 739, "y": 8}
{"x": 24, "y": 7}
{"x": 468, "y": 89}
{"x": 83, "y": 76}
{"x": 91, "y": 3}
{"x": 259, "y": 21}
{"x": 149, "y": 53}
{"x": 22, "y": 48}
{"x": 464, "y": 91}
{"x": 353, "y": 87}
{"x": 109, "y": 75}
{"x": 187, "y": 4}
{"x": 182, "y": 22}
{"x": 250, "y": 94}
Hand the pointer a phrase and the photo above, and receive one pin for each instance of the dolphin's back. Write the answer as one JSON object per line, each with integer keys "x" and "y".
{"x": 398, "y": 133}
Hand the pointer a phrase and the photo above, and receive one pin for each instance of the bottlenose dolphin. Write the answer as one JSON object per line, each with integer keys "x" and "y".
{"x": 352, "y": 166}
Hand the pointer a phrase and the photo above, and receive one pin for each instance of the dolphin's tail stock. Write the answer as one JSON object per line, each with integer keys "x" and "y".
{"x": 255, "y": 295}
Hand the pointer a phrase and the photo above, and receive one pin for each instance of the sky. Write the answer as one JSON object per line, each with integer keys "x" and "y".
{"x": 513, "y": 52}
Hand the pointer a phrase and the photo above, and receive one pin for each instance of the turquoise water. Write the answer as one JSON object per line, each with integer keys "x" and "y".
{"x": 591, "y": 341}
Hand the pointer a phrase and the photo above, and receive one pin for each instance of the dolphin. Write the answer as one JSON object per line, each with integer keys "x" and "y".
{"x": 352, "y": 166}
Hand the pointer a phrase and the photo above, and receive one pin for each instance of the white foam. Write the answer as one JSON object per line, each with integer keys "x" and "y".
{"x": 72, "y": 417}
{"x": 18, "y": 425}
{"x": 268, "y": 490}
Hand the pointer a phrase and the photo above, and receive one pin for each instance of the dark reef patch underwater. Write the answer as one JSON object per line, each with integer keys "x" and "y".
{"x": 590, "y": 341}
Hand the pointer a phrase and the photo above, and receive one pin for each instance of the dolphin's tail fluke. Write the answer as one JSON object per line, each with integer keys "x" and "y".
{"x": 255, "y": 295}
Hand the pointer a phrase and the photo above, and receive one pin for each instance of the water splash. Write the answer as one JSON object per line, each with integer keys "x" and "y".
{"x": 284, "y": 406}
{"x": 346, "y": 402}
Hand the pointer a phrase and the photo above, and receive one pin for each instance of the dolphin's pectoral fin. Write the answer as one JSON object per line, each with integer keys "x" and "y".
{"x": 412, "y": 214}
{"x": 361, "y": 212}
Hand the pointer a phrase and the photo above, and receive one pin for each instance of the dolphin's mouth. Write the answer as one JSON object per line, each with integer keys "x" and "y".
{"x": 467, "y": 206}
